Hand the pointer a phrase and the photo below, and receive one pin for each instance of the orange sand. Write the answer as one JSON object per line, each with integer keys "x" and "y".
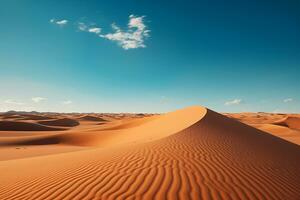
{"x": 192, "y": 153}
{"x": 285, "y": 126}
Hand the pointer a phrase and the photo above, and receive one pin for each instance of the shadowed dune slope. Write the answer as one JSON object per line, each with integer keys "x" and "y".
{"x": 36, "y": 117}
{"x": 60, "y": 122}
{"x": 24, "y": 126}
{"x": 286, "y": 133}
{"x": 291, "y": 122}
{"x": 213, "y": 157}
{"x": 285, "y": 126}
{"x": 92, "y": 118}
{"x": 11, "y": 116}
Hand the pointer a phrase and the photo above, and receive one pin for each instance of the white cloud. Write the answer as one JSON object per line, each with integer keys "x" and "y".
{"x": 68, "y": 102}
{"x": 82, "y": 26}
{"x": 38, "y": 99}
{"x": 95, "y": 30}
{"x": 88, "y": 28}
{"x": 288, "y": 100}
{"x": 13, "y": 102}
{"x": 132, "y": 38}
{"x": 62, "y": 22}
{"x": 233, "y": 102}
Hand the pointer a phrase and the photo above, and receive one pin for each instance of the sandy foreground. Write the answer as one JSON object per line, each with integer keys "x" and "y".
{"x": 193, "y": 153}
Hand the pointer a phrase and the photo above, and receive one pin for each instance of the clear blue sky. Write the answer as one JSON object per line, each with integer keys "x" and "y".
{"x": 245, "y": 53}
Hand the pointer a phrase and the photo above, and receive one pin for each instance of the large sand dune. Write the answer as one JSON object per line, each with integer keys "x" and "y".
{"x": 192, "y": 153}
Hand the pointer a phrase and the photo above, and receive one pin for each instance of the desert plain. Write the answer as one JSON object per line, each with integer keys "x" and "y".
{"x": 191, "y": 153}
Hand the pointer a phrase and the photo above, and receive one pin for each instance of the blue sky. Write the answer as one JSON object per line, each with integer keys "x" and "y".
{"x": 149, "y": 56}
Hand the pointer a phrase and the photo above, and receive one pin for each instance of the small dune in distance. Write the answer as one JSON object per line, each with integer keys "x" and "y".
{"x": 285, "y": 126}
{"x": 192, "y": 153}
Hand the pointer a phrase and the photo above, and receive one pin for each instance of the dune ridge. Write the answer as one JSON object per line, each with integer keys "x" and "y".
{"x": 198, "y": 154}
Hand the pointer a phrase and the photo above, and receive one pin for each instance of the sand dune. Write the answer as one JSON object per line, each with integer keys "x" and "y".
{"x": 286, "y": 133}
{"x": 125, "y": 124}
{"x": 153, "y": 128}
{"x": 11, "y": 116}
{"x": 36, "y": 117}
{"x": 285, "y": 126}
{"x": 92, "y": 118}
{"x": 24, "y": 126}
{"x": 60, "y": 122}
{"x": 291, "y": 122}
{"x": 192, "y": 153}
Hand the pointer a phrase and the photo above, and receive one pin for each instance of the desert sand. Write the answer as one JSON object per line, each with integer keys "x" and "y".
{"x": 193, "y": 153}
{"x": 285, "y": 126}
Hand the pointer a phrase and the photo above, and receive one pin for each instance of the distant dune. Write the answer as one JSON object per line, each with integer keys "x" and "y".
{"x": 92, "y": 118}
{"x": 285, "y": 126}
{"x": 36, "y": 117}
{"x": 24, "y": 126}
{"x": 60, "y": 122}
{"x": 291, "y": 122}
{"x": 11, "y": 116}
{"x": 193, "y": 153}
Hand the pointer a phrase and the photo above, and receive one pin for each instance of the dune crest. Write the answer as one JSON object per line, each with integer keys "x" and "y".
{"x": 192, "y": 153}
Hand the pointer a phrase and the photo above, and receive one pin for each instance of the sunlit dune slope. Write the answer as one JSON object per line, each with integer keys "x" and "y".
{"x": 193, "y": 153}
{"x": 291, "y": 122}
{"x": 142, "y": 130}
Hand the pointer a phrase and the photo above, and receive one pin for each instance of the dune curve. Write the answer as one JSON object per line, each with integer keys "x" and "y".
{"x": 212, "y": 157}
{"x": 291, "y": 122}
{"x": 154, "y": 128}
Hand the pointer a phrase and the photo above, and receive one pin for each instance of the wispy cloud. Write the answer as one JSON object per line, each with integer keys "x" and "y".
{"x": 62, "y": 22}
{"x": 38, "y": 99}
{"x": 95, "y": 30}
{"x": 68, "y": 102}
{"x": 88, "y": 28}
{"x": 288, "y": 100}
{"x": 132, "y": 38}
{"x": 82, "y": 26}
{"x": 13, "y": 102}
{"x": 233, "y": 102}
